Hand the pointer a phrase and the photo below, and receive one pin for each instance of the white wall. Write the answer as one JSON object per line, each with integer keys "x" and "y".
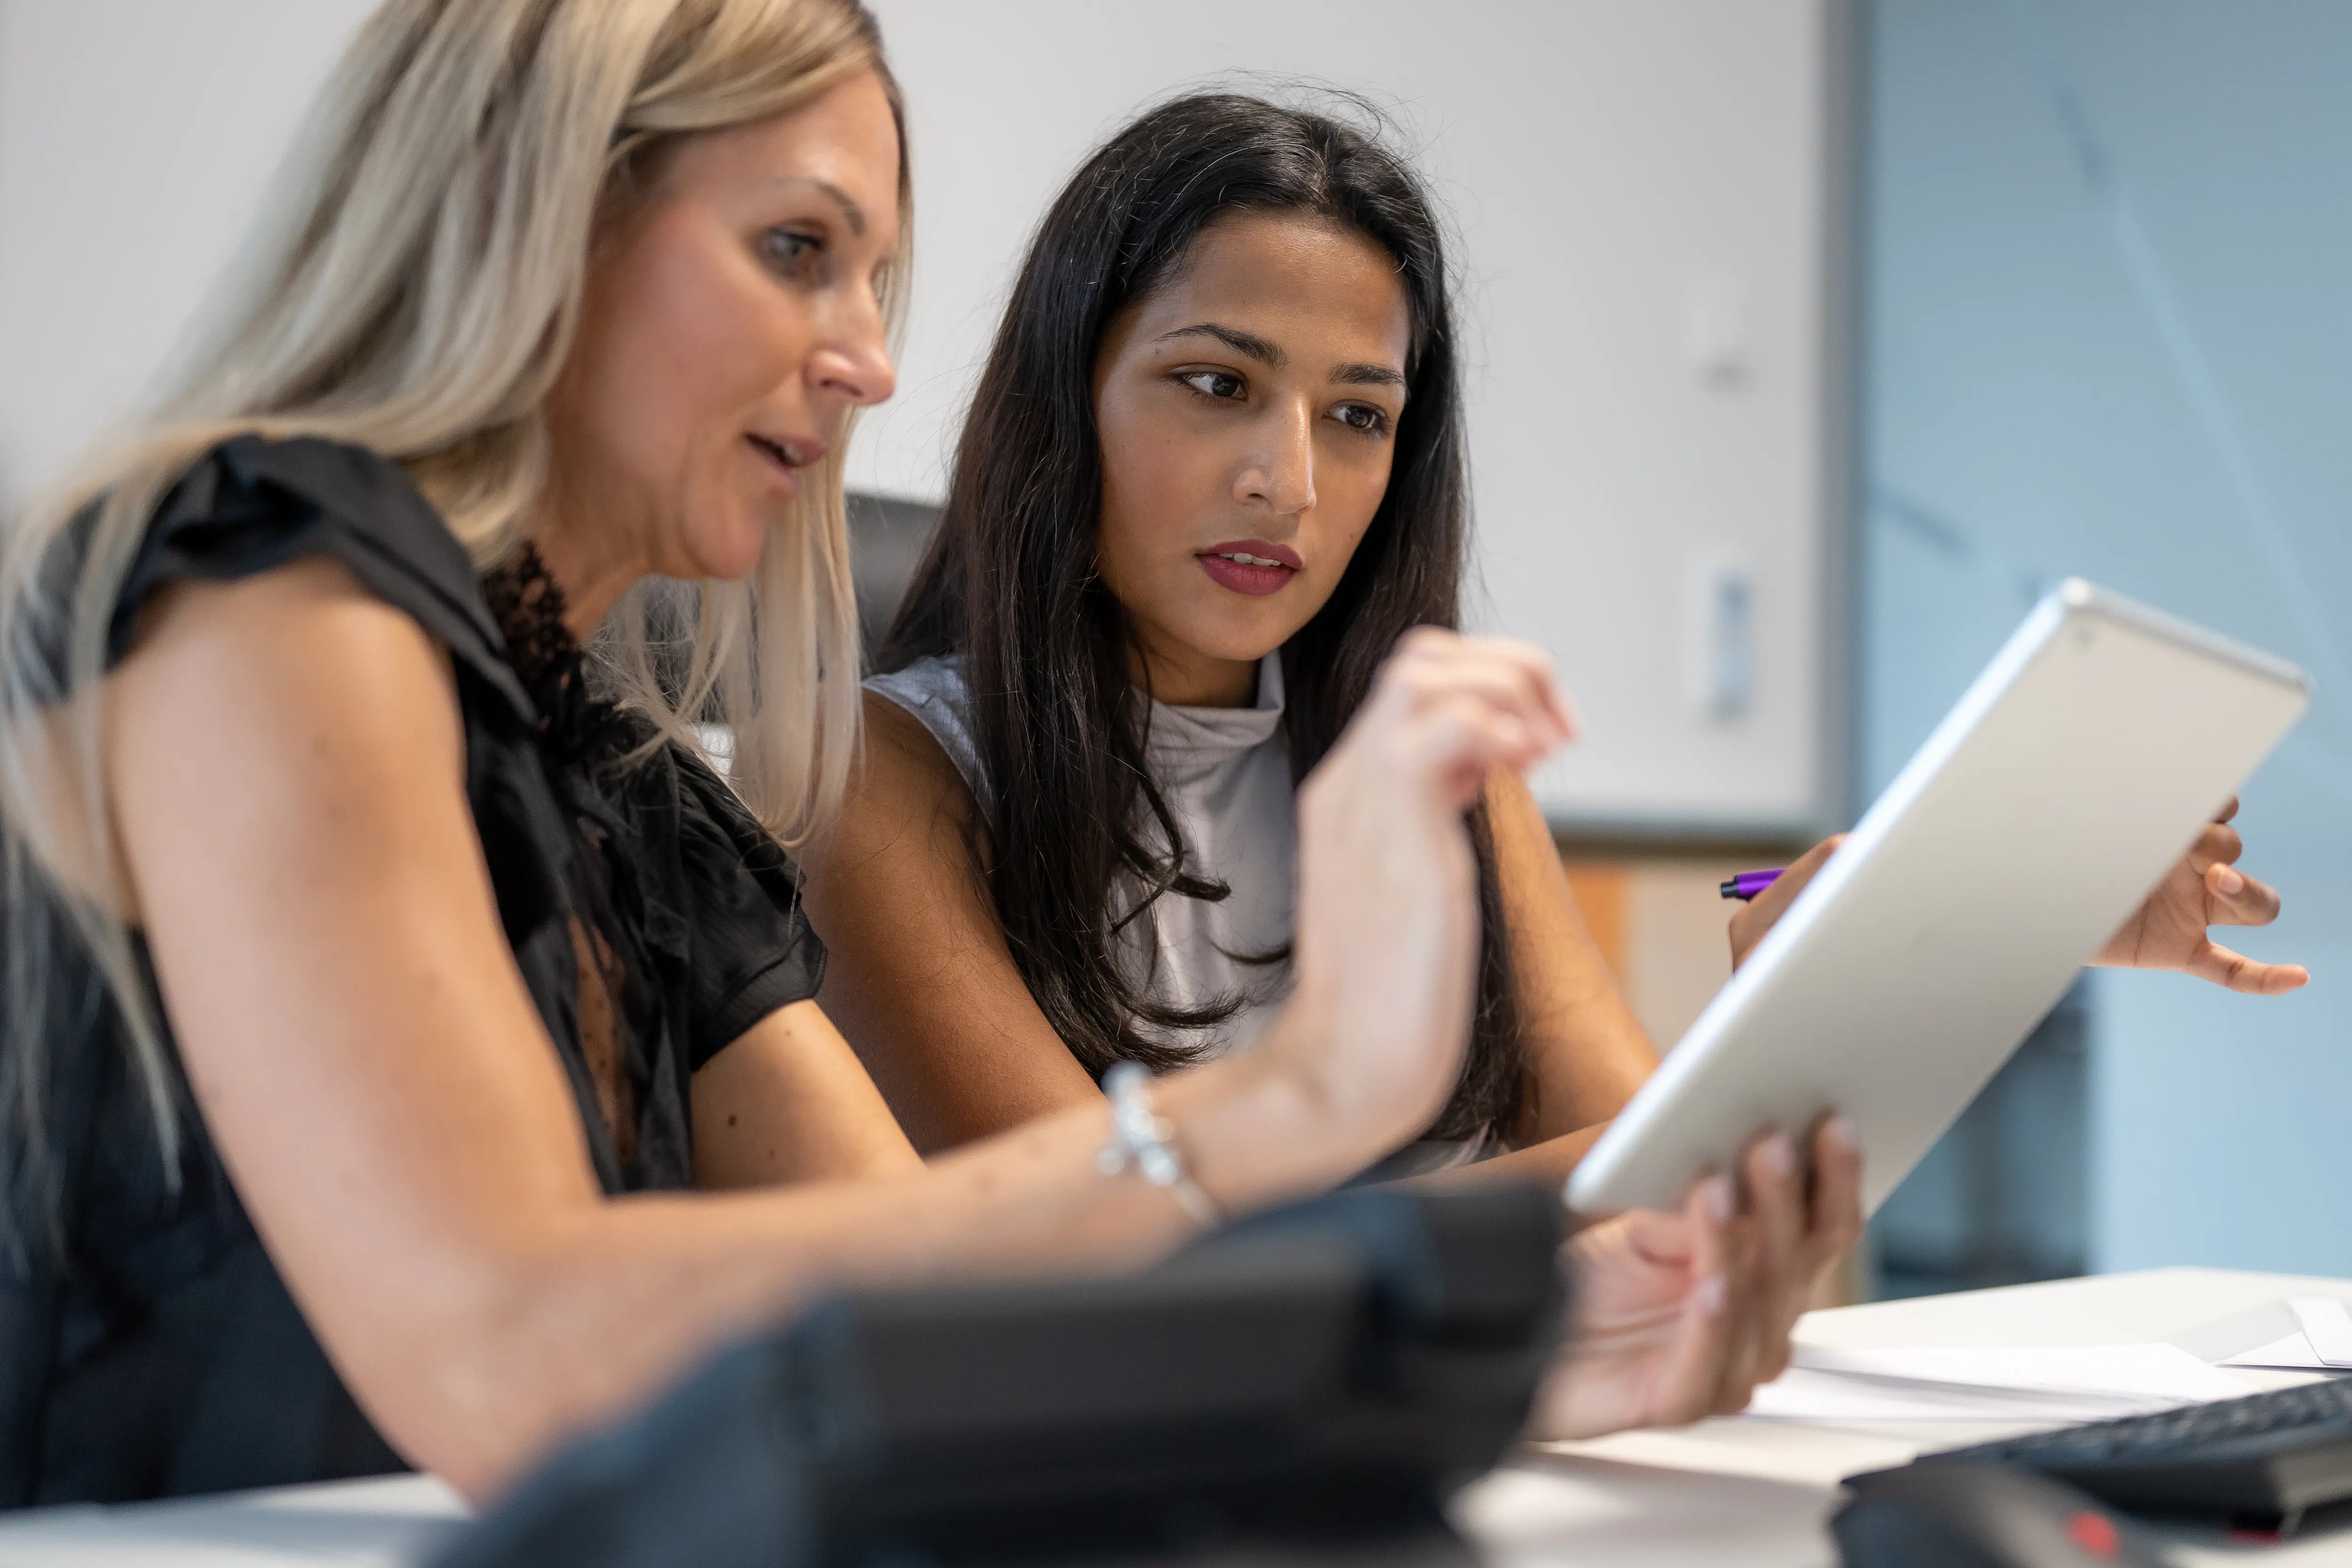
{"x": 135, "y": 137}
{"x": 1623, "y": 172}
{"x": 1615, "y": 167}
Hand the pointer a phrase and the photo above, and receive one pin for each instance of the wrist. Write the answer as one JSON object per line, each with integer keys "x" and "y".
{"x": 1144, "y": 1142}
{"x": 1257, "y": 1131}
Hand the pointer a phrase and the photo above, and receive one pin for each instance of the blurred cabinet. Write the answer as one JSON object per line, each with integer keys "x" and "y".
{"x": 1660, "y": 923}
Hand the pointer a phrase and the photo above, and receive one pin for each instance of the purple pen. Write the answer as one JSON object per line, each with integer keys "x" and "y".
{"x": 1747, "y": 884}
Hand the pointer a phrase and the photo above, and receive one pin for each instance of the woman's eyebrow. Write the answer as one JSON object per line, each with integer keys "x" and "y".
{"x": 851, "y": 213}
{"x": 1234, "y": 338}
{"x": 1362, "y": 374}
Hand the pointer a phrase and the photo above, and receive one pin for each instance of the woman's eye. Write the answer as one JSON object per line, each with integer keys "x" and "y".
{"x": 1362, "y": 417}
{"x": 1215, "y": 384}
{"x": 788, "y": 250}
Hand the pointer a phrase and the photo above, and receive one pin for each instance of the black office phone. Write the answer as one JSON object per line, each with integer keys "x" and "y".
{"x": 1321, "y": 1377}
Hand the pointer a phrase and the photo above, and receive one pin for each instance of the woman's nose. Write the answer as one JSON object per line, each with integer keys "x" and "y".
{"x": 1281, "y": 475}
{"x": 854, "y": 365}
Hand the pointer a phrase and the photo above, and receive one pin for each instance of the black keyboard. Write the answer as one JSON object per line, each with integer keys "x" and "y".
{"x": 2264, "y": 1457}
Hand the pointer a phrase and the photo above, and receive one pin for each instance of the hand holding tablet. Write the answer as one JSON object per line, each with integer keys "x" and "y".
{"x": 2103, "y": 739}
{"x": 2171, "y": 930}
{"x": 1680, "y": 1316}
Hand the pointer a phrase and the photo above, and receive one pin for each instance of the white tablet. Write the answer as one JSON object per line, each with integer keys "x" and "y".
{"x": 2078, "y": 767}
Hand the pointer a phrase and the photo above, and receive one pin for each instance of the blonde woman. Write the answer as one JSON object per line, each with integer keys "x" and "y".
{"x": 407, "y": 1044}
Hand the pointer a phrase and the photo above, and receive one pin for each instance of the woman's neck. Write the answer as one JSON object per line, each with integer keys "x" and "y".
{"x": 1186, "y": 677}
{"x": 591, "y": 575}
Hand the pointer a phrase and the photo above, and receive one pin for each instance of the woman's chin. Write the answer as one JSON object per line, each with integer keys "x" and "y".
{"x": 729, "y": 551}
{"x": 1244, "y": 639}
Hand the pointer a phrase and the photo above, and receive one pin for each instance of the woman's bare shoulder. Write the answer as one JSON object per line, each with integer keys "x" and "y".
{"x": 907, "y": 833}
{"x": 906, "y": 775}
{"x": 295, "y": 671}
{"x": 306, "y": 637}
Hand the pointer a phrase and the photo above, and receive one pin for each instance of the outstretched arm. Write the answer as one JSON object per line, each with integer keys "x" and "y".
{"x": 286, "y": 766}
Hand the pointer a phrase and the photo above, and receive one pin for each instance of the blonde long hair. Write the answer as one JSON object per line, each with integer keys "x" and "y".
{"x": 411, "y": 287}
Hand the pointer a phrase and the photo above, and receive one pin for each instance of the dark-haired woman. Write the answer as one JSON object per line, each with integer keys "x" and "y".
{"x": 1213, "y": 471}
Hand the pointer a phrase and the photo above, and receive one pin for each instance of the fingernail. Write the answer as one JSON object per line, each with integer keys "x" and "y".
{"x": 1708, "y": 1294}
{"x": 1718, "y": 1196}
{"x": 2233, "y": 880}
{"x": 1780, "y": 1155}
{"x": 1840, "y": 1133}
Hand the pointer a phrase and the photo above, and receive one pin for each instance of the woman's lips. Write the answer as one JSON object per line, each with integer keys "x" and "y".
{"x": 784, "y": 459}
{"x": 1251, "y": 566}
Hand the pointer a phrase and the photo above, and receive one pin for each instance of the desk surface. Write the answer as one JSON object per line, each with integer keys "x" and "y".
{"x": 1728, "y": 1491}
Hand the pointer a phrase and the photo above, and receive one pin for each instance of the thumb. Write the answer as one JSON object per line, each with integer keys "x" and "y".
{"x": 2249, "y": 976}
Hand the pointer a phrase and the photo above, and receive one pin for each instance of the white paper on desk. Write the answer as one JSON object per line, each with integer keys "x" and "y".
{"x": 1994, "y": 1385}
{"x": 2292, "y": 1353}
{"x": 2322, "y": 1340}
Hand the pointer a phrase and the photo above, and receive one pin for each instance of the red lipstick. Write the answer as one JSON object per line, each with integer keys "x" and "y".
{"x": 1253, "y": 566}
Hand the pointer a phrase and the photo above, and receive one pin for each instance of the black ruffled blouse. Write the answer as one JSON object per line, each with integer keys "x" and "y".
{"x": 153, "y": 1350}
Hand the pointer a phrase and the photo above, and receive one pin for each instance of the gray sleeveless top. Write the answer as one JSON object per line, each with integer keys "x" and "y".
{"x": 1225, "y": 775}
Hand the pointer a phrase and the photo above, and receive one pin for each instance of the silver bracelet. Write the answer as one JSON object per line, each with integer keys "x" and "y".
{"x": 1140, "y": 1138}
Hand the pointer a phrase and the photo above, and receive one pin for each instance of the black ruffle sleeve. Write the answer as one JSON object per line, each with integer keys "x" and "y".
{"x": 753, "y": 950}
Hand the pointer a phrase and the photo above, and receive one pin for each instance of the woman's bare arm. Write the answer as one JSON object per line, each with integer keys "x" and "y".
{"x": 919, "y": 978}
{"x": 788, "y": 1102}
{"x": 1586, "y": 1052}
{"x": 285, "y": 762}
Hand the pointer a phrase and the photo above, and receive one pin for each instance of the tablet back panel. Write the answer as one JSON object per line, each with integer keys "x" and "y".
{"x": 2070, "y": 777}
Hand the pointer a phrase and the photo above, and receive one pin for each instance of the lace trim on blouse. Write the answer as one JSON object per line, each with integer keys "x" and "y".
{"x": 529, "y": 605}
{"x": 575, "y": 726}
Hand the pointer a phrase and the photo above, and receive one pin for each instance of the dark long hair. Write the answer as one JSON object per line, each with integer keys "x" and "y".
{"x": 1009, "y": 581}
